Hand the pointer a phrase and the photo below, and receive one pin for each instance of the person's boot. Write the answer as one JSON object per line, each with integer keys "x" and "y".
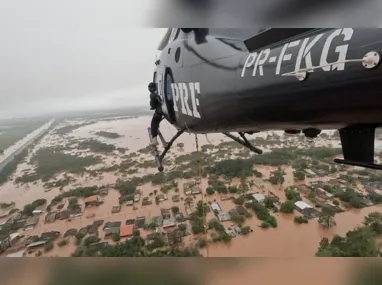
{"x": 154, "y": 141}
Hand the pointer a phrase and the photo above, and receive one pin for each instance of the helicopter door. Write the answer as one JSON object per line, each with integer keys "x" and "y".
{"x": 163, "y": 80}
{"x": 169, "y": 98}
{"x": 158, "y": 79}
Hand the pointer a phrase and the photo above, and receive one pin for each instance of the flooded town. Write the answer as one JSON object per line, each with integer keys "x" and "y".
{"x": 90, "y": 187}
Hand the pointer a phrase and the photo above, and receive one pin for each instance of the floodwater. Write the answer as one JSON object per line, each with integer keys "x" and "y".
{"x": 288, "y": 239}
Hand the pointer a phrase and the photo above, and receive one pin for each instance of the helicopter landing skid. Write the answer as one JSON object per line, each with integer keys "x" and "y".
{"x": 244, "y": 142}
{"x": 358, "y": 146}
{"x": 167, "y": 145}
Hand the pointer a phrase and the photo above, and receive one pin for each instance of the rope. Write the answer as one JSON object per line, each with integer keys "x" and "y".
{"x": 200, "y": 183}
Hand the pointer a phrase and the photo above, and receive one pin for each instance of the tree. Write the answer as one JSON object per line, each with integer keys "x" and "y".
{"x": 233, "y": 190}
{"x": 326, "y": 220}
{"x": 245, "y": 230}
{"x": 175, "y": 209}
{"x": 292, "y": 195}
{"x": 300, "y": 220}
{"x": 237, "y": 219}
{"x": 210, "y": 190}
{"x": 90, "y": 240}
{"x": 268, "y": 202}
{"x": 287, "y": 207}
{"x": 116, "y": 237}
{"x": 152, "y": 226}
{"x": 200, "y": 210}
{"x": 155, "y": 192}
{"x": 202, "y": 242}
{"x": 374, "y": 221}
{"x": 28, "y": 209}
{"x": 357, "y": 243}
{"x": 239, "y": 200}
{"x": 356, "y": 202}
{"x": 299, "y": 175}
{"x": 277, "y": 179}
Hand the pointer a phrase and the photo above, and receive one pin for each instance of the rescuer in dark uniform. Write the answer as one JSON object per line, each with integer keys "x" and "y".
{"x": 155, "y": 104}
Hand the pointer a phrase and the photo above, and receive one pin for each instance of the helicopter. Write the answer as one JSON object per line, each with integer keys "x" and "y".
{"x": 297, "y": 80}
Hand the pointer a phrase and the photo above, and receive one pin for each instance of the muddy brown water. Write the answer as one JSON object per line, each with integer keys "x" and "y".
{"x": 287, "y": 240}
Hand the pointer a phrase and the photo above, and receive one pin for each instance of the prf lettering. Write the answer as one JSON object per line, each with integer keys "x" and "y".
{"x": 303, "y": 57}
{"x": 184, "y": 94}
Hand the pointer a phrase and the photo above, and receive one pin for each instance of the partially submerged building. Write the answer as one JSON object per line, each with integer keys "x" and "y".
{"x": 130, "y": 222}
{"x": 215, "y": 208}
{"x": 31, "y": 223}
{"x": 116, "y": 209}
{"x": 17, "y": 254}
{"x": 63, "y": 215}
{"x": 305, "y": 209}
{"x": 70, "y": 233}
{"x": 137, "y": 197}
{"x": 258, "y": 197}
{"x": 112, "y": 226}
{"x": 146, "y": 201}
{"x": 166, "y": 213}
{"x": 174, "y": 237}
{"x": 192, "y": 188}
{"x": 161, "y": 197}
{"x": 176, "y": 198}
{"x": 168, "y": 223}
{"x": 52, "y": 235}
{"x": 51, "y": 217}
{"x": 139, "y": 222}
{"x": 126, "y": 231}
{"x": 158, "y": 220}
{"x": 37, "y": 244}
{"x": 223, "y": 217}
{"x": 190, "y": 209}
{"x": 94, "y": 200}
{"x": 310, "y": 172}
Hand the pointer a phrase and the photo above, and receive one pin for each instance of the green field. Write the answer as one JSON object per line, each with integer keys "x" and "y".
{"x": 13, "y": 130}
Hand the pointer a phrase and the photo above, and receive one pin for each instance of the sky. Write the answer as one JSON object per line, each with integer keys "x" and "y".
{"x": 74, "y": 55}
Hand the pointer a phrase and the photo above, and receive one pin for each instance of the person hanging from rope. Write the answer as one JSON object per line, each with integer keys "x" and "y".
{"x": 155, "y": 104}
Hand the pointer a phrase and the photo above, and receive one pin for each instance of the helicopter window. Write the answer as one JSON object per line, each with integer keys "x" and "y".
{"x": 155, "y": 77}
{"x": 176, "y": 34}
{"x": 165, "y": 40}
{"x": 168, "y": 87}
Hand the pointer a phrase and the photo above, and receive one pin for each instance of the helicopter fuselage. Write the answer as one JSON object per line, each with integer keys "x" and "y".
{"x": 212, "y": 82}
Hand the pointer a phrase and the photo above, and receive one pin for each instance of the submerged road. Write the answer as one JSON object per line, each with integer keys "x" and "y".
{"x": 19, "y": 146}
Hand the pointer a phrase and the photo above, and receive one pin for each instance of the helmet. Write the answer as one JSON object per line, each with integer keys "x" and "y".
{"x": 152, "y": 86}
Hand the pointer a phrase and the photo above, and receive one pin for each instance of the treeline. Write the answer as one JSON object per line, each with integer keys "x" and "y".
{"x": 109, "y": 135}
{"x": 29, "y": 208}
{"x": 50, "y": 162}
{"x": 80, "y": 192}
{"x": 68, "y": 129}
{"x": 11, "y": 167}
{"x": 96, "y": 146}
{"x": 359, "y": 242}
{"x": 134, "y": 247}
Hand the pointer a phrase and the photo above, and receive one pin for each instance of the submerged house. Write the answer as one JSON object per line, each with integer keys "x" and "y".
{"x": 215, "y": 208}
{"x": 258, "y": 197}
{"x": 126, "y": 231}
{"x": 139, "y": 222}
{"x": 94, "y": 200}
{"x": 192, "y": 188}
{"x": 31, "y": 223}
{"x": 305, "y": 209}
